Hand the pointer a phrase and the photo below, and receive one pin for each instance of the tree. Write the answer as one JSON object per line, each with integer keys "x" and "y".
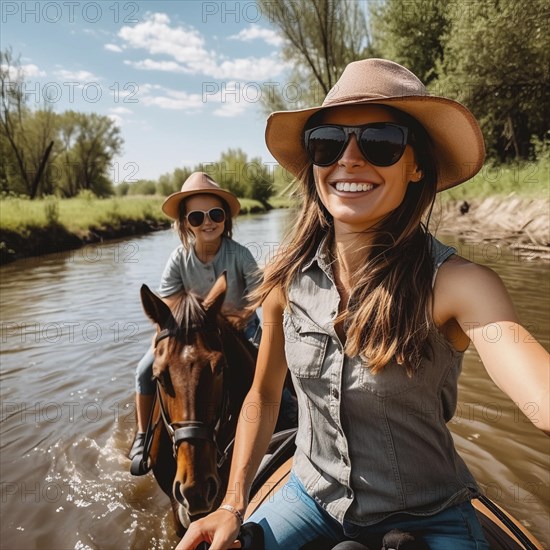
{"x": 259, "y": 182}
{"x": 320, "y": 39}
{"x": 142, "y": 187}
{"x": 26, "y": 136}
{"x": 412, "y": 33}
{"x": 229, "y": 171}
{"x": 85, "y": 144}
{"x": 97, "y": 143}
{"x": 496, "y": 61}
{"x": 88, "y": 145}
{"x": 66, "y": 163}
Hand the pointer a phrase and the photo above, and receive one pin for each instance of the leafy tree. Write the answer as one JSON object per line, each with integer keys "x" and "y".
{"x": 229, "y": 171}
{"x": 87, "y": 145}
{"x": 97, "y": 143}
{"x": 44, "y": 152}
{"x": 121, "y": 190}
{"x": 142, "y": 187}
{"x": 496, "y": 61}
{"x": 66, "y": 162}
{"x": 259, "y": 181}
{"x": 411, "y": 33}
{"x": 320, "y": 39}
{"x": 26, "y": 136}
{"x": 178, "y": 178}
{"x": 164, "y": 185}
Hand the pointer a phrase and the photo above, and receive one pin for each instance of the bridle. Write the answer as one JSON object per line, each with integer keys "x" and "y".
{"x": 192, "y": 430}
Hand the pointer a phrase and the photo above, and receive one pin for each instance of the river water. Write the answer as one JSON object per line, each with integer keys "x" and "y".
{"x": 72, "y": 331}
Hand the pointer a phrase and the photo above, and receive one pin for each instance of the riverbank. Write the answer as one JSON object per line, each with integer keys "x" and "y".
{"x": 521, "y": 224}
{"x": 32, "y": 228}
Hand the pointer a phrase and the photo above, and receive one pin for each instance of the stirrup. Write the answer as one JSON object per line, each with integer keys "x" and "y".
{"x": 140, "y": 465}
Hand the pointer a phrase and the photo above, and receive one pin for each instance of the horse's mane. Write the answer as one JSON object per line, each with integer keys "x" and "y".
{"x": 188, "y": 316}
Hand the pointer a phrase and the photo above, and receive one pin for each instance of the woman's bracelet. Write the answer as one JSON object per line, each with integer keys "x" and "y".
{"x": 233, "y": 510}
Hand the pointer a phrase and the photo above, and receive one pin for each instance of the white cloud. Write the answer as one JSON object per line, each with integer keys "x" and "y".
{"x": 78, "y": 76}
{"x": 230, "y": 110}
{"x": 117, "y": 119}
{"x": 250, "y": 68}
{"x": 156, "y": 36}
{"x": 187, "y": 49}
{"x": 255, "y": 32}
{"x": 232, "y": 98}
{"x": 121, "y": 111}
{"x": 29, "y": 70}
{"x": 151, "y": 65}
{"x": 228, "y": 100}
{"x": 113, "y": 48}
{"x": 166, "y": 98}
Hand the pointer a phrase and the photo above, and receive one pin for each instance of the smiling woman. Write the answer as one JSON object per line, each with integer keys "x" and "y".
{"x": 371, "y": 315}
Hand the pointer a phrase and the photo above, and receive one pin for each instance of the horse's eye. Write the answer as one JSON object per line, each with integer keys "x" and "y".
{"x": 218, "y": 368}
{"x": 161, "y": 376}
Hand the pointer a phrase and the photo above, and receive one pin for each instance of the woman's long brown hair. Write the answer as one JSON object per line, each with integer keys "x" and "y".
{"x": 389, "y": 313}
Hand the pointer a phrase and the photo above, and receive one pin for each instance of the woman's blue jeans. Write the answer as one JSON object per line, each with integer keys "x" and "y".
{"x": 292, "y": 519}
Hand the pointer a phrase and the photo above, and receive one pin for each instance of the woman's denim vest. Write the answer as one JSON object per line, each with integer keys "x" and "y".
{"x": 369, "y": 446}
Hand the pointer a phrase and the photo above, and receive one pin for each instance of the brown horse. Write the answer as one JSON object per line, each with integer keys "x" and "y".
{"x": 204, "y": 367}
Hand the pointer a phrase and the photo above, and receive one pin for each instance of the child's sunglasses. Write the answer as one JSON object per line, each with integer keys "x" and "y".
{"x": 381, "y": 143}
{"x": 196, "y": 217}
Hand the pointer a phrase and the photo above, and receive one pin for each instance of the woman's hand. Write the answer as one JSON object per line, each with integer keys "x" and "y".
{"x": 220, "y": 529}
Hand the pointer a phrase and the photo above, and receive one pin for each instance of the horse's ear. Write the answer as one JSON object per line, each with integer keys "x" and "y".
{"x": 154, "y": 307}
{"x": 214, "y": 300}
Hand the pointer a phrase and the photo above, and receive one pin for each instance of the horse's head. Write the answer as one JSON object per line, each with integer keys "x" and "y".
{"x": 189, "y": 367}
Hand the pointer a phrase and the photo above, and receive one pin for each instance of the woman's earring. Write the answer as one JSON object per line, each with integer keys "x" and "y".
{"x": 417, "y": 176}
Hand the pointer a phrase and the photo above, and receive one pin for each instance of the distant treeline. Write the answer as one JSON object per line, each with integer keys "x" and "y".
{"x": 246, "y": 178}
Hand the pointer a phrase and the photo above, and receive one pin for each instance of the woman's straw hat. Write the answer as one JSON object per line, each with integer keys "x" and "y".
{"x": 199, "y": 183}
{"x": 458, "y": 144}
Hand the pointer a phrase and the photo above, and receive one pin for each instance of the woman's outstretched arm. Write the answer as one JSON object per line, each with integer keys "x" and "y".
{"x": 476, "y": 297}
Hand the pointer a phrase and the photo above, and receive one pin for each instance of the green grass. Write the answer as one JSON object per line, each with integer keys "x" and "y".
{"x": 79, "y": 215}
{"x": 283, "y": 202}
{"x": 526, "y": 179}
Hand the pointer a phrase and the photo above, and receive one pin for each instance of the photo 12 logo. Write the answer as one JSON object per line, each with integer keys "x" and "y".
{"x": 54, "y": 12}
{"x": 72, "y": 91}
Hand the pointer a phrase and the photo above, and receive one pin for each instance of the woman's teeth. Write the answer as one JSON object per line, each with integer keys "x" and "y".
{"x": 353, "y": 187}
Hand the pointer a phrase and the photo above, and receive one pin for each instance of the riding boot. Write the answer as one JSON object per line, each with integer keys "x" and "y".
{"x": 138, "y": 446}
{"x": 144, "y": 404}
{"x": 399, "y": 540}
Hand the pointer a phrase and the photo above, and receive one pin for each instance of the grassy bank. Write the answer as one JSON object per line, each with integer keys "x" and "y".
{"x": 80, "y": 215}
{"x": 525, "y": 179}
{"x": 31, "y": 228}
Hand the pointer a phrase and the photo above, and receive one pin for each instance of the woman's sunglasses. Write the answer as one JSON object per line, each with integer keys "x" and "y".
{"x": 196, "y": 217}
{"x": 381, "y": 143}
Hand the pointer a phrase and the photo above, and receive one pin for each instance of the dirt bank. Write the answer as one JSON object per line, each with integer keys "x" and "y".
{"x": 522, "y": 224}
{"x": 56, "y": 238}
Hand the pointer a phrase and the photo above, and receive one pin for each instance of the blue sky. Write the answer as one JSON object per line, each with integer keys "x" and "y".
{"x": 182, "y": 78}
